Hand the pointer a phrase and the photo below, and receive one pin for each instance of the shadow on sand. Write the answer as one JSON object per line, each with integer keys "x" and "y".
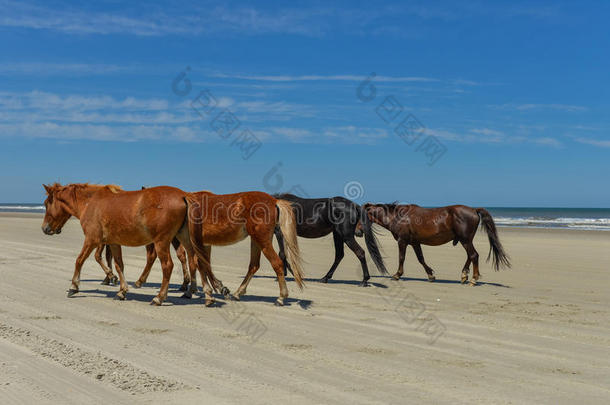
{"x": 331, "y": 281}
{"x": 389, "y": 279}
{"x": 174, "y": 300}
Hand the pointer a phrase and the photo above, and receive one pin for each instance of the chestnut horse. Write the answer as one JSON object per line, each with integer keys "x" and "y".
{"x": 229, "y": 218}
{"x": 414, "y": 225}
{"x": 85, "y": 191}
{"x": 123, "y": 218}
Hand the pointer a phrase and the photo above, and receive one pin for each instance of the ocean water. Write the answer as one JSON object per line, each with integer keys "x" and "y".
{"x": 19, "y": 207}
{"x": 571, "y": 218}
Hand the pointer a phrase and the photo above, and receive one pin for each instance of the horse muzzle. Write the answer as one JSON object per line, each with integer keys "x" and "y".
{"x": 47, "y": 230}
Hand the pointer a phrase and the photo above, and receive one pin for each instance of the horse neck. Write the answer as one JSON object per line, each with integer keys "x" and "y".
{"x": 80, "y": 199}
{"x": 385, "y": 221}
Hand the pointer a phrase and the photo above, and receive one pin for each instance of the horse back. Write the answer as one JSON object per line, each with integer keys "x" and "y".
{"x": 134, "y": 218}
{"x": 229, "y": 218}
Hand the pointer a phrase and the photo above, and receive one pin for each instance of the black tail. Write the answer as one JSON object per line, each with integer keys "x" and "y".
{"x": 500, "y": 258}
{"x": 371, "y": 241}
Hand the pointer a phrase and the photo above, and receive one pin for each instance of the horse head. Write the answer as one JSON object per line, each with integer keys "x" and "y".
{"x": 58, "y": 207}
{"x": 378, "y": 213}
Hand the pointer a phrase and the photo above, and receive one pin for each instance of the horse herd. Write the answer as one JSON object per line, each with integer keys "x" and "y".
{"x": 158, "y": 217}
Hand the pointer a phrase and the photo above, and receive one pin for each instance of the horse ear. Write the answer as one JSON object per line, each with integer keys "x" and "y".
{"x": 47, "y": 188}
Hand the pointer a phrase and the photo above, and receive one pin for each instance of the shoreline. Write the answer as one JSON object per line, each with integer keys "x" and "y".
{"x": 503, "y": 228}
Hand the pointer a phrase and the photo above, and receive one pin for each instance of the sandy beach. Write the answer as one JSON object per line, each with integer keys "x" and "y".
{"x": 537, "y": 333}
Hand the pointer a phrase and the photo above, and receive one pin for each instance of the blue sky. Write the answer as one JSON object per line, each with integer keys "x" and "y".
{"x": 512, "y": 97}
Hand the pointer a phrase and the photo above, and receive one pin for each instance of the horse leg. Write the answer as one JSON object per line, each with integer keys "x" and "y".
{"x": 206, "y": 272}
{"x": 420, "y": 258}
{"x": 466, "y": 268}
{"x": 118, "y": 258}
{"x": 473, "y": 256}
{"x": 88, "y": 247}
{"x": 282, "y": 253}
{"x": 151, "y": 256}
{"x": 339, "y": 253}
{"x": 255, "y": 262}
{"x": 107, "y": 270}
{"x": 276, "y": 263}
{"x": 162, "y": 249}
{"x": 402, "y": 249}
{"x": 194, "y": 265}
{"x": 114, "y": 280}
{"x": 181, "y": 253}
{"x": 359, "y": 252}
{"x": 205, "y": 268}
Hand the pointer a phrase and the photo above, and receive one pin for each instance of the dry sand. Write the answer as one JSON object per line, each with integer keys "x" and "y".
{"x": 538, "y": 333}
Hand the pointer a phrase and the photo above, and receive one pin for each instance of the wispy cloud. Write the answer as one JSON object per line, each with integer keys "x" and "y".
{"x": 339, "y": 134}
{"x": 528, "y": 107}
{"x": 492, "y": 136}
{"x": 595, "y": 142}
{"x": 127, "y": 133}
{"x": 202, "y": 19}
{"x": 350, "y": 78}
{"x": 45, "y": 69}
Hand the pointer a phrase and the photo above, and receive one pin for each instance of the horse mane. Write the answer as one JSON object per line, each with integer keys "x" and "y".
{"x": 113, "y": 188}
{"x": 389, "y": 206}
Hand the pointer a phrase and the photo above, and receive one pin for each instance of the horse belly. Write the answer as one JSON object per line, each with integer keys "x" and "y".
{"x": 437, "y": 239}
{"x": 219, "y": 236}
{"x": 127, "y": 236}
{"x": 313, "y": 231}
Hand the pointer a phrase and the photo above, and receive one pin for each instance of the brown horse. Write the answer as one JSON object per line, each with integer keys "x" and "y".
{"x": 123, "y": 218}
{"x": 414, "y": 225}
{"x": 229, "y": 218}
{"x": 85, "y": 191}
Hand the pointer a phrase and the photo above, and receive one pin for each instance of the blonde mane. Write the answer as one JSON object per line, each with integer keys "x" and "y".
{"x": 113, "y": 188}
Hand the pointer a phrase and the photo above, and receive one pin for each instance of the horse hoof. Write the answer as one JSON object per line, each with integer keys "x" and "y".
{"x": 395, "y": 277}
{"x": 324, "y": 280}
{"x": 209, "y": 302}
{"x": 106, "y": 281}
{"x": 431, "y": 279}
{"x": 137, "y": 284}
{"x": 187, "y": 295}
{"x": 115, "y": 280}
{"x": 464, "y": 280}
{"x": 71, "y": 292}
{"x": 226, "y": 293}
{"x": 234, "y": 297}
{"x": 279, "y": 303}
{"x": 473, "y": 283}
{"x": 120, "y": 296}
{"x": 183, "y": 287}
{"x": 364, "y": 284}
{"x": 156, "y": 302}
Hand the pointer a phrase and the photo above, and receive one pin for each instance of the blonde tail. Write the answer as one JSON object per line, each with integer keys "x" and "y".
{"x": 288, "y": 227}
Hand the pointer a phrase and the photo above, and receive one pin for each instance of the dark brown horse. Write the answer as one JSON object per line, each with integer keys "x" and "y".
{"x": 416, "y": 226}
{"x": 229, "y": 218}
{"x": 122, "y": 218}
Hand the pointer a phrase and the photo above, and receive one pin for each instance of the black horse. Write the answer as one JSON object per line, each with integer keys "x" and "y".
{"x": 317, "y": 217}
